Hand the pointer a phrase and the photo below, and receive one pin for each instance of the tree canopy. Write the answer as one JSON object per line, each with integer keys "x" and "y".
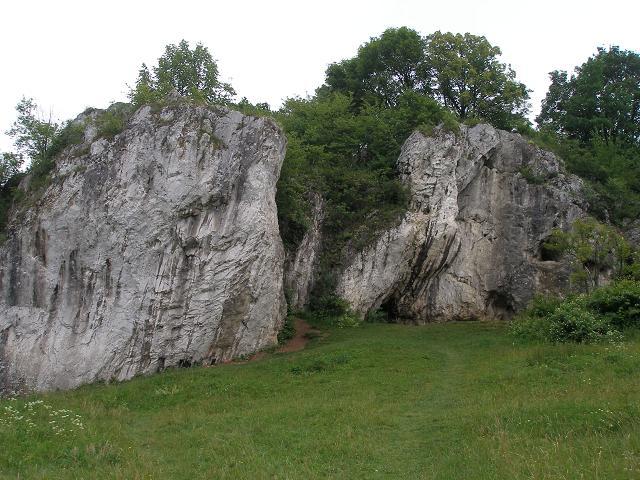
{"x": 33, "y": 133}
{"x": 468, "y": 79}
{"x": 383, "y": 69}
{"x": 602, "y": 98}
{"x": 462, "y": 72}
{"x": 191, "y": 73}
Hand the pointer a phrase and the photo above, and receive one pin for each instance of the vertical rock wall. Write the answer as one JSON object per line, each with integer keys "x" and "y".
{"x": 157, "y": 248}
{"x": 482, "y": 203}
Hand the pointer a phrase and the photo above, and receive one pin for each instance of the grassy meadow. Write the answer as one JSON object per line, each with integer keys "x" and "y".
{"x": 443, "y": 401}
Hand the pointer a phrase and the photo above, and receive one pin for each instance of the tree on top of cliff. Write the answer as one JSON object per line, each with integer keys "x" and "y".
{"x": 462, "y": 72}
{"x": 192, "y": 73}
{"x": 601, "y": 99}
{"x": 383, "y": 69}
{"x": 468, "y": 79}
{"x": 33, "y": 132}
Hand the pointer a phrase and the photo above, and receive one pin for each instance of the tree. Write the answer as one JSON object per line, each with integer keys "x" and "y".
{"x": 468, "y": 78}
{"x": 461, "y": 71}
{"x": 602, "y": 98}
{"x": 594, "y": 248}
{"x": 33, "y": 133}
{"x": 192, "y": 73}
{"x": 383, "y": 69}
{"x": 10, "y": 164}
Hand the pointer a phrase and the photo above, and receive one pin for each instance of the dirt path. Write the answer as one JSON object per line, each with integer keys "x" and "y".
{"x": 300, "y": 339}
{"x": 294, "y": 344}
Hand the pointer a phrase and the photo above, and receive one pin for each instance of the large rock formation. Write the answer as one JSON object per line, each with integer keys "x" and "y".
{"x": 157, "y": 248}
{"x": 482, "y": 203}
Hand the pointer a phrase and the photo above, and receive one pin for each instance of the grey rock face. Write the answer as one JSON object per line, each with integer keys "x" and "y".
{"x": 300, "y": 266}
{"x": 482, "y": 203}
{"x": 158, "y": 248}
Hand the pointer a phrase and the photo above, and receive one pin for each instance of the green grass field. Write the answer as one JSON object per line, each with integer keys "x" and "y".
{"x": 447, "y": 401}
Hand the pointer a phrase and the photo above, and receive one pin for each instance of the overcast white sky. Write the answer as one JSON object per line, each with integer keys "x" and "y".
{"x": 72, "y": 54}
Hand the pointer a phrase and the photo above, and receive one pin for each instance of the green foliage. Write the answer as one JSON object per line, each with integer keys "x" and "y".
{"x": 592, "y": 121}
{"x": 573, "y": 322}
{"x": 10, "y": 164}
{"x": 377, "y": 316}
{"x": 530, "y": 176}
{"x": 71, "y": 133}
{"x": 190, "y": 73}
{"x": 558, "y": 321}
{"x": 597, "y": 316}
{"x": 32, "y": 132}
{"x": 288, "y": 330}
{"x": 258, "y": 110}
{"x": 600, "y": 99}
{"x": 384, "y": 68}
{"x": 109, "y": 125}
{"x": 348, "y": 157}
{"x": 594, "y": 249}
{"x": 619, "y": 303}
{"x": 461, "y": 71}
{"x": 609, "y": 167}
{"x": 468, "y": 79}
{"x": 348, "y": 320}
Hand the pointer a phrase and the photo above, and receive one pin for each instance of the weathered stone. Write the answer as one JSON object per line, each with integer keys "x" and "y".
{"x": 158, "y": 248}
{"x": 482, "y": 203}
{"x": 301, "y": 264}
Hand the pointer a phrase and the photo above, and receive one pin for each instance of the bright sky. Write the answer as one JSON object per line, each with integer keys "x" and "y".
{"x": 68, "y": 55}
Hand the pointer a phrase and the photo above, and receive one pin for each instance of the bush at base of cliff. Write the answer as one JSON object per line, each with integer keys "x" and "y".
{"x": 619, "y": 303}
{"x": 333, "y": 310}
{"x": 552, "y": 320}
{"x": 573, "y": 322}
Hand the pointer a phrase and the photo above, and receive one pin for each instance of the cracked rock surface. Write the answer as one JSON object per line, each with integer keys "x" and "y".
{"x": 482, "y": 203}
{"x": 157, "y": 248}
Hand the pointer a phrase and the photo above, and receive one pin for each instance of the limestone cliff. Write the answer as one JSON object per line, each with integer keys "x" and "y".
{"x": 482, "y": 203}
{"x": 157, "y": 248}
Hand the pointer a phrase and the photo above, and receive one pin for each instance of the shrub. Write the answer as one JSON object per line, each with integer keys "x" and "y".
{"x": 377, "y": 316}
{"x": 288, "y": 329}
{"x": 553, "y": 320}
{"x": 619, "y": 303}
{"x": 113, "y": 120}
{"x": 573, "y": 322}
{"x": 542, "y": 305}
{"x": 530, "y": 176}
{"x": 71, "y": 134}
{"x": 348, "y": 320}
{"x": 336, "y": 311}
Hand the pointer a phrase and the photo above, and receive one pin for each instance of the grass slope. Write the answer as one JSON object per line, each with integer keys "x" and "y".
{"x": 453, "y": 401}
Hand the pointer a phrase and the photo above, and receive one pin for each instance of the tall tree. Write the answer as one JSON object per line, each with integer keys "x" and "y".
{"x": 602, "y": 98}
{"x": 33, "y": 132}
{"x": 469, "y": 79}
{"x": 192, "y": 73}
{"x": 383, "y": 69}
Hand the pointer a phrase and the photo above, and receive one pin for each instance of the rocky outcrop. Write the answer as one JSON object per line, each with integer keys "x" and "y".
{"x": 301, "y": 264}
{"x": 482, "y": 203}
{"x": 157, "y": 248}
